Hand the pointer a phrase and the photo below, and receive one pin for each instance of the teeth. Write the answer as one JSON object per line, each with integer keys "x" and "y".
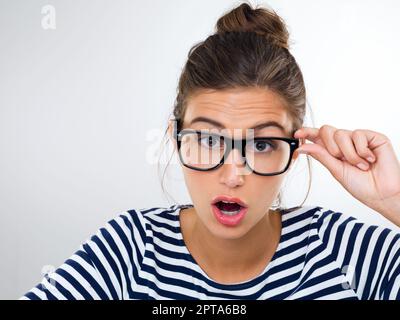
{"x": 227, "y": 201}
{"x": 230, "y": 213}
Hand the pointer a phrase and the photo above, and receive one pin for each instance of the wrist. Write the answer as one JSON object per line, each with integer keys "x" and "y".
{"x": 390, "y": 209}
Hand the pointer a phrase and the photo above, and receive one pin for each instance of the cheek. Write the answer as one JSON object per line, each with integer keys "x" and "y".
{"x": 200, "y": 186}
{"x": 263, "y": 191}
{"x": 196, "y": 182}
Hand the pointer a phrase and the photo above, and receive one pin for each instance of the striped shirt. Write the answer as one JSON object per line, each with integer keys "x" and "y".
{"x": 140, "y": 254}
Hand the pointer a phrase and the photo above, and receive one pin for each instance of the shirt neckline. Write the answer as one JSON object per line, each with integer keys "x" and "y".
{"x": 231, "y": 286}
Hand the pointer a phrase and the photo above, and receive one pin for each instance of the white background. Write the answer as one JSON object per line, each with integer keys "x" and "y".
{"x": 77, "y": 104}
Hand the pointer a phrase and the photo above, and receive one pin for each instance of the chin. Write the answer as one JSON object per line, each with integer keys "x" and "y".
{"x": 228, "y": 232}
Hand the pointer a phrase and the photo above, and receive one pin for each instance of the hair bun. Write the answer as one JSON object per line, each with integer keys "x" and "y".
{"x": 259, "y": 20}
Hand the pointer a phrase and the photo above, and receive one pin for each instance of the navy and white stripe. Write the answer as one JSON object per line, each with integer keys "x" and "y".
{"x": 141, "y": 254}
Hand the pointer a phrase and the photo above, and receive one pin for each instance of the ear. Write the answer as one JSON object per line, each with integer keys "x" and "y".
{"x": 295, "y": 155}
{"x": 294, "y": 159}
{"x": 171, "y": 133}
{"x": 170, "y": 129}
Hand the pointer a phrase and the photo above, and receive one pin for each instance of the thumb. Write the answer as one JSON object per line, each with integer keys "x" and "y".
{"x": 322, "y": 155}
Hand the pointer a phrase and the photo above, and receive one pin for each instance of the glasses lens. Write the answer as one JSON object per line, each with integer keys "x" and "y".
{"x": 202, "y": 151}
{"x": 205, "y": 151}
{"x": 267, "y": 155}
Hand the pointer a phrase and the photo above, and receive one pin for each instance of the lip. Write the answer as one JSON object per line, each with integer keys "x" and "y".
{"x": 228, "y": 198}
{"x": 230, "y": 221}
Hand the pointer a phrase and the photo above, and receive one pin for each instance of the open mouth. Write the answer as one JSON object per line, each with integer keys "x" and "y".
{"x": 228, "y": 208}
{"x": 229, "y": 211}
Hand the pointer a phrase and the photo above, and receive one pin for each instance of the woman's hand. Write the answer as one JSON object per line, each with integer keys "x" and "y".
{"x": 346, "y": 154}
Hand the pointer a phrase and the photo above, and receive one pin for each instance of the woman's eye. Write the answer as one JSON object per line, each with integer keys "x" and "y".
{"x": 210, "y": 141}
{"x": 263, "y": 145}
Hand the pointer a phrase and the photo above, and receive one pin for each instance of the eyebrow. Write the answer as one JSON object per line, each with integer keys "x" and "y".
{"x": 255, "y": 128}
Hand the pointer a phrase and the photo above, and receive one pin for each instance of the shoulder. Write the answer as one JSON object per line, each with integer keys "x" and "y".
{"x": 346, "y": 237}
{"x": 134, "y": 226}
{"x": 145, "y": 222}
{"x": 156, "y": 217}
{"x": 142, "y": 219}
{"x": 300, "y": 217}
{"x": 335, "y": 223}
{"x": 367, "y": 254}
{"x": 336, "y": 230}
{"x": 130, "y": 231}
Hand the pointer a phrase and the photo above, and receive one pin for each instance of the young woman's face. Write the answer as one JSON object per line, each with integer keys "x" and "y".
{"x": 236, "y": 110}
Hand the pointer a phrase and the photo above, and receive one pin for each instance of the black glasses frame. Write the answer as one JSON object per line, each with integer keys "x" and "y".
{"x": 233, "y": 144}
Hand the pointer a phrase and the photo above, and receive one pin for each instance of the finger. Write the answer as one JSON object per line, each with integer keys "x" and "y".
{"x": 335, "y": 166}
{"x": 327, "y": 134}
{"x": 375, "y": 140}
{"x": 344, "y": 140}
{"x": 361, "y": 144}
{"x": 322, "y": 136}
{"x": 308, "y": 133}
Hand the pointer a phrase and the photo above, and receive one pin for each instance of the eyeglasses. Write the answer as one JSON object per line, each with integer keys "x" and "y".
{"x": 204, "y": 151}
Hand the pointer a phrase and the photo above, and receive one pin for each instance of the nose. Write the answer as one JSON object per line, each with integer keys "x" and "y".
{"x": 233, "y": 169}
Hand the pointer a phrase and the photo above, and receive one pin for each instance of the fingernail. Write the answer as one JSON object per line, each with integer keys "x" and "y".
{"x": 370, "y": 159}
{"x": 362, "y": 166}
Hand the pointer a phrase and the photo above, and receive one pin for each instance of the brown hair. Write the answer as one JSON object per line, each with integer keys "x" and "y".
{"x": 248, "y": 49}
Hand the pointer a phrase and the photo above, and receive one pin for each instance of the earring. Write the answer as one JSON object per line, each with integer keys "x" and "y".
{"x": 276, "y": 204}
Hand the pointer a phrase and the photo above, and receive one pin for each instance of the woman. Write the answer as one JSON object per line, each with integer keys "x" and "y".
{"x": 238, "y": 128}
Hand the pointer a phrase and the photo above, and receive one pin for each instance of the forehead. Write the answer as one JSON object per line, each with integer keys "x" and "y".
{"x": 238, "y": 108}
